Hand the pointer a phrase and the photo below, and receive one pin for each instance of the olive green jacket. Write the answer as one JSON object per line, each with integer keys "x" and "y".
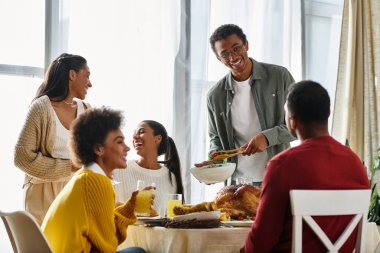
{"x": 269, "y": 86}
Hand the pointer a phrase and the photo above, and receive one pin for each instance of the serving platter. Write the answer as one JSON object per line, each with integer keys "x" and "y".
{"x": 144, "y": 218}
{"x": 238, "y": 223}
{"x": 151, "y": 221}
{"x": 198, "y": 216}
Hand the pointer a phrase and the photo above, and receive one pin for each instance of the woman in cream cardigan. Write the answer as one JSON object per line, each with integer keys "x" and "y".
{"x": 41, "y": 150}
{"x": 83, "y": 217}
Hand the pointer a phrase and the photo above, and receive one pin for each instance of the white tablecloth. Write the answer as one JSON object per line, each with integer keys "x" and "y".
{"x": 215, "y": 240}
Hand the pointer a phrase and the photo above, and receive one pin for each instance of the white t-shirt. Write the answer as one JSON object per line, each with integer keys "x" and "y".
{"x": 128, "y": 183}
{"x": 62, "y": 134}
{"x": 246, "y": 124}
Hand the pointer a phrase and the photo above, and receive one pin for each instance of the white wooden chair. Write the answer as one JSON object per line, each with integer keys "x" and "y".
{"x": 24, "y": 233}
{"x": 377, "y": 250}
{"x": 307, "y": 203}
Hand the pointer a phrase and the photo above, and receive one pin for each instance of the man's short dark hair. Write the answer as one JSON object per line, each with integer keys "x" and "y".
{"x": 224, "y": 31}
{"x": 90, "y": 130}
{"x": 309, "y": 102}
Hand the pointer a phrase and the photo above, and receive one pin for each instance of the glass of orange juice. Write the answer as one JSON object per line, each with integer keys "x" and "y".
{"x": 143, "y": 200}
{"x": 173, "y": 200}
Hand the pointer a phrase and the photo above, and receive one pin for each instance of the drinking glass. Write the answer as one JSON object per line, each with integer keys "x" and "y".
{"x": 173, "y": 200}
{"x": 239, "y": 180}
{"x": 244, "y": 180}
{"x": 143, "y": 199}
{"x": 248, "y": 181}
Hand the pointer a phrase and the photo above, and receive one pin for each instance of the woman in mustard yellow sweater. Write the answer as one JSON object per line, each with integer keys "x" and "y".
{"x": 83, "y": 217}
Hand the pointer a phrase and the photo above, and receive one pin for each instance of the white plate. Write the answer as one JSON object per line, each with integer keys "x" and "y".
{"x": 238, "y": 223}
{"x": 199, "y": 216}
{"x": 149, "y": 218}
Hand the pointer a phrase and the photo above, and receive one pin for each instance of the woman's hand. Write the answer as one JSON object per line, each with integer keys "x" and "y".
{"x": 148, "y": 188}
{"x": 132, "y": 200}
{"x": 118, "y": 203}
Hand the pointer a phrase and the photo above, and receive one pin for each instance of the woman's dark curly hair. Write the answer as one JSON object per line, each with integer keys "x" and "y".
{"x": 224, "y": 31}
{"x": 56, "y": 81}
{"x": 168, "y": 147}
{"x": 89, "y": 131}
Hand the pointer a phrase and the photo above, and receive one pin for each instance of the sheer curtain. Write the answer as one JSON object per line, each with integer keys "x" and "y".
{"x": 357, "y": 102}
{"x": 131, "y": 48}
{"x": 273, "y": 30}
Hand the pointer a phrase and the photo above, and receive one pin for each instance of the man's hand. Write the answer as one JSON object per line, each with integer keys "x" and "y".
{"x": 257, "y": 144}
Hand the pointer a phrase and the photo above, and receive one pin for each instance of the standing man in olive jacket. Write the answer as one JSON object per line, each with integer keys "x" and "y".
{"x": 246, "y": 107}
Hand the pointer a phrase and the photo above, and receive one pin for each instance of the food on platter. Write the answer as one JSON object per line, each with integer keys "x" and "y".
{"x": 225, "y": 154}
{"x": 214, "y": 223}
{"x": 224, "y": 217}
{"x": 236, "y": 201}
{"x": 202, "y": 207}
{"x": 213, "y": 165}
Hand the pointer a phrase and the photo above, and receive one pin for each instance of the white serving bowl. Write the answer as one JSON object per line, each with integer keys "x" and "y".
{"x": 211, "y": 174}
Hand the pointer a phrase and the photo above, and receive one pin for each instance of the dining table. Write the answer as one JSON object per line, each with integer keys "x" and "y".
{"x": 207, "y": 240}
{"x": 174, "y": 240}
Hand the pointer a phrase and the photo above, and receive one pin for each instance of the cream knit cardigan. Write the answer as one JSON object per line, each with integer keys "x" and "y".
{"x": 35, "y": 144}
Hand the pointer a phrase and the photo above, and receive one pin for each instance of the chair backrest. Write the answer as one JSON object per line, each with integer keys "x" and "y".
{"x": 377, "y": 250}
{"x": 307, "y": 203}
{"x": 24, "y": 233}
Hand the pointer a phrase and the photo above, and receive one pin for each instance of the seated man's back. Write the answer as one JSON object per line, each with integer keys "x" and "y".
{"x": 318, "y": 163}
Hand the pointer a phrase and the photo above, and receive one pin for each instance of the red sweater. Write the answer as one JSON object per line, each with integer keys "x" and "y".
{"x": 321, "y": 164}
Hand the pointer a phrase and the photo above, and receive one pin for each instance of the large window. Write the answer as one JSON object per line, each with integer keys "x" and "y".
{"x": 22, "y": 25}
{"x": 22, "y": 48}
{"x": 16, "y": 93}
{"x": 131, "y": 56}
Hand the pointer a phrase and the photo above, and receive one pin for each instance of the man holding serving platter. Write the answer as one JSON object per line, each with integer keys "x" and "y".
{"x": 245, "y": 107}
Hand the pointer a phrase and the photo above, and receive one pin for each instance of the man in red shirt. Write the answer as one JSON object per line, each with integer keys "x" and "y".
{"x": 318, "y": 163}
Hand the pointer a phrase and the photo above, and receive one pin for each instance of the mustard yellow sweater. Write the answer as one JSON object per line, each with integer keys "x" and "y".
{"x": 83, "y": 217}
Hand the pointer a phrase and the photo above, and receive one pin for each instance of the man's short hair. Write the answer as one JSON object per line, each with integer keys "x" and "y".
{"x": 224, "y": 31}
{"x": 309, "y": 102}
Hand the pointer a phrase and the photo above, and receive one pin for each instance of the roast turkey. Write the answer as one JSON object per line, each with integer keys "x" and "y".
{"x": 238, "y": 200}
{"x": 234, "y": 200}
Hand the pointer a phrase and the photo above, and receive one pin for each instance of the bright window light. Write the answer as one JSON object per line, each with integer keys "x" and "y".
{"x": 22, "y": 24}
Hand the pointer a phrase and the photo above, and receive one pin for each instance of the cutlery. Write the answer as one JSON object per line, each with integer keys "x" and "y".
{"x": 223, "y": 154}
